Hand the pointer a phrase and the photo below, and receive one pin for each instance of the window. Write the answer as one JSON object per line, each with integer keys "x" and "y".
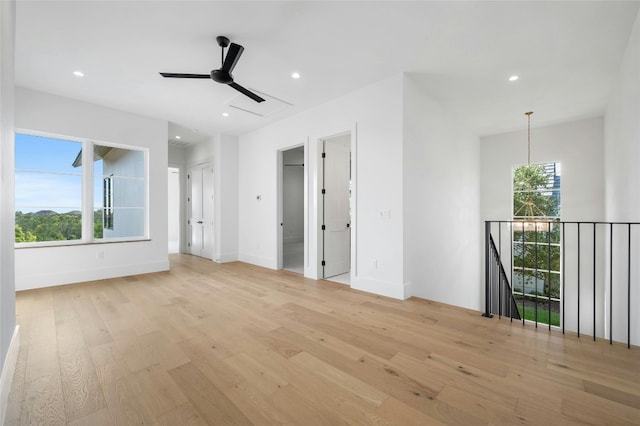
{"x": 536, "y": 241}
{"x": 119, "y": 175}
{"x": 50, "y": 176}
{"x": 48, "y": 189}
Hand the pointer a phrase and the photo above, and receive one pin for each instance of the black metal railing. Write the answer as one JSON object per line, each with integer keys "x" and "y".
{"x": 574, "y": 276}
{"x": 505, "y": 303}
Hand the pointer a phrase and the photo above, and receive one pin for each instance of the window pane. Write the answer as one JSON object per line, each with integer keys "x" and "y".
{"x": 119, "y": 192}
{"x": 48, "y": 185}
{"x": 536, "y": 191}
{"x": 47, "y": 154}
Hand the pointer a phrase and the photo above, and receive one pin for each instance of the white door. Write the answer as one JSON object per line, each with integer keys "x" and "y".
{"x": 201, "y": 211}
{"x": 173, "y": 211}
{"x": 337, "y": 220}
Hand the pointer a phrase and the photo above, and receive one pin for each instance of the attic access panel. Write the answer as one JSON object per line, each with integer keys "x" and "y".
{"x": 263, "y": 109}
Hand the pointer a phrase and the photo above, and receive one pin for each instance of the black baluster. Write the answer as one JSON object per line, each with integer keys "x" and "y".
{"x": 499, "y": 274}
{"x": 578, "y": 279}
{"x": 549, "y": 273}
{"x": 629, "y": 290}
{"x": 563, "y": 267}
{"x": 522, "y": 283}
{"x": 535, "y": 277}
{"x": 610, "y": 283}
{"x": 594, "y": 282}
{"x": 511, "y": 245}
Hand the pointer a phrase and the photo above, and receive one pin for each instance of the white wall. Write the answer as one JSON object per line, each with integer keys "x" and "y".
{"x": 293, "y": 195}
{"x": 373, "y": 115}
{"x": 67, "y": 264}
{"x": 226, "y": 166}
{"x": 7, "y": 212}
{"x": 578, "y": 146}
{"x": 442, "y": 229}
{"x": 177, "y": 159}
{"x": 622, "y": 174}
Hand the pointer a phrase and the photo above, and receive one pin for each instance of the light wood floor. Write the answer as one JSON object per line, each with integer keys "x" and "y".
{"x": 237, "y": 344}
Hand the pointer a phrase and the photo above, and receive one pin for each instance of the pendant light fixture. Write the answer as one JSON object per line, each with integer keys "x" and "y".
{"x": 530, "y": 222}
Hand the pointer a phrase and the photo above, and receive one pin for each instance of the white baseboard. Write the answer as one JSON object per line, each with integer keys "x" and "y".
{"x": 257, "y": 260}
{"x": 226, "y": 258}
{"x": 382, "y": 288}
{"x": 408, "y": 290}
{"x": 7, "y": 372}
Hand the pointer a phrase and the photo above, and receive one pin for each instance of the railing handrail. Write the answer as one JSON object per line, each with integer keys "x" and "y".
{"x": 600, "y": 257}
{"x": 597, "y": 222}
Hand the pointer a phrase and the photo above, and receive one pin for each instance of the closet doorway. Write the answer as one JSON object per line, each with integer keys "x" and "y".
{"x": 292, "y": 232}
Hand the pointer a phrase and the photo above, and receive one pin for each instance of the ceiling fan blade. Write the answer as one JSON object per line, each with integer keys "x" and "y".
{"x": 233, "y": 54}
{"x": 178, "y": 75}
{"x": 246, "y": 92}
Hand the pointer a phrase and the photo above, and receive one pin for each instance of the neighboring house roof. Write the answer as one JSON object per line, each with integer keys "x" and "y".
{"x": 99, "y": 152}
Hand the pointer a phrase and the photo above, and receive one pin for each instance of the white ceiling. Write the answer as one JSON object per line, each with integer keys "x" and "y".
{"x": 566, "y": 54}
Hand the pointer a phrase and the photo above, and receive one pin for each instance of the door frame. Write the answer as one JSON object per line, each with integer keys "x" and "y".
{"x": 280, "y": 205}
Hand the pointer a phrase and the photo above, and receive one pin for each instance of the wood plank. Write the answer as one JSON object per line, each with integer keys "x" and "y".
{"x": 43, "y": 404}
{"x": 213, "y": 405}
{"x": 125, "y": 405}
{"x": 80, "y": 386}
{"x": 183, "y": 415}
{"x": 399, "y": 413}
{"x": 97, "y": 418}
{"x": 340, "y": 378}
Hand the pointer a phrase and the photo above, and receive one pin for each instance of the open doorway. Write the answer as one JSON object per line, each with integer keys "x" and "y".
{"x": 336, "y": 208}
{"x": 173, "y": 210}
{"x": 292, "y": 209}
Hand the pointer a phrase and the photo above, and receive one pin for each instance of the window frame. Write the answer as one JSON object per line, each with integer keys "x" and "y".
{"x": 517, "y": 270}
{"x": 87, "y": 197}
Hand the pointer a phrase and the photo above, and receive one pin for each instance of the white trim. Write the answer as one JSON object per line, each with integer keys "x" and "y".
{"x": 408, "y": 290}
{"x": 265, "y": 262}
{"x": 382, "y": 288}
{"x": 8, "y": 371}
{"x": 226, "y": 258}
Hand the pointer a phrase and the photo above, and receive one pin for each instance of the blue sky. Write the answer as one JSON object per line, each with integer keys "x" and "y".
{"x": 61, "y": 188}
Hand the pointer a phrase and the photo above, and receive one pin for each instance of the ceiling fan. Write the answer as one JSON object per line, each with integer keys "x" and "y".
{"x": 222, "y": 75}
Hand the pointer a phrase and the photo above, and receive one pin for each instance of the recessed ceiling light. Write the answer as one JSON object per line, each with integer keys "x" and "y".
{"x": 78, "y": 73}
{"x": 295, "y": 75}
{"x": 225, "y": 114}
{"x": 513, "y": 78}
{"x": 178, "y": 137}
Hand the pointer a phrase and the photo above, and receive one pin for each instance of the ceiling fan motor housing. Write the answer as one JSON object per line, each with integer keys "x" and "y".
{"x": 221, "y": 76}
